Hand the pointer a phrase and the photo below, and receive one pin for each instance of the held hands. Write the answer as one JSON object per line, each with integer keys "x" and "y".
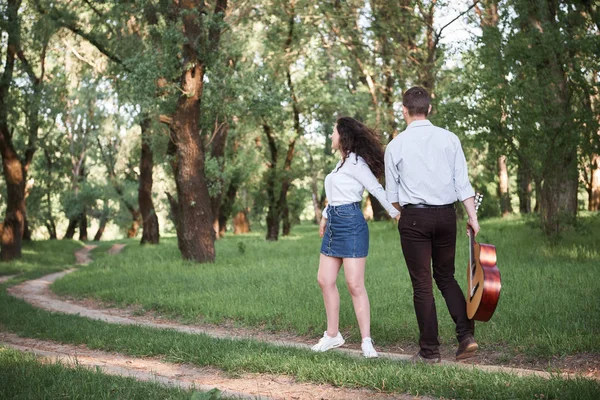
{"x": 474, "y": 225}
{"x": 322, "y": 226}
{"x": 397, "y": 218}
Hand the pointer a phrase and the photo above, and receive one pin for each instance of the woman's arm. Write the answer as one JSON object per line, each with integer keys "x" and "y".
{"x": 364, "y": 175}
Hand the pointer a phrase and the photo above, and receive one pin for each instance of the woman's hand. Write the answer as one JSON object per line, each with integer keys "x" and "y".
{"x": 322, "y": 226}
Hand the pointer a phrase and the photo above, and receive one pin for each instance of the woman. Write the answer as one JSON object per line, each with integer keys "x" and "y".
{"x": 344, "y": 229}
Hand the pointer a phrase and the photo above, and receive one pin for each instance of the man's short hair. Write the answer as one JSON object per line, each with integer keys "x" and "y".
{"x": 416, "y": 100}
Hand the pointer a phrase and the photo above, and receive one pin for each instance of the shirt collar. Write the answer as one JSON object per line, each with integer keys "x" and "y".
{"x": 419, "y": 123}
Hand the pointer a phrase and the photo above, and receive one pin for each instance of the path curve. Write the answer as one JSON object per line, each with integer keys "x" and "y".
{"x": 37, "y": 292}
{"x": 247, "y": 386}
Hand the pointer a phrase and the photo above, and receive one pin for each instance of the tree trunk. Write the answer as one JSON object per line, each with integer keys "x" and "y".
{"x": 594, "y": 190}
{"x": 135, "y": 224}
{"x": 14, "y": 175}
{"x": 51, "y": 227}
{"x": 559, "y": 197}
{"x": 83, "y": 235}
{"x": 503, "y": 193}
{"x": 524, "y": 188}
{"x": 195, "y": 233}
{"x": 538, "y": 195}
{"x": 217, "y": 151}
{"x": 150, "y": 229}
{"x": 273, "y": 222}
{"x": 227, "y": 205}
{"x": 241, "y": 223}
{"x": 285, "y": 217}
{"x": 101, "y": 228}
{"x": 26, "y": 230}
{"x": 71, "y": 228}
{"x": 559, "y": 171}
{"x": 315, "y": 200}
{"x": 273, "y": 212}
{"x": 14, "y": 221}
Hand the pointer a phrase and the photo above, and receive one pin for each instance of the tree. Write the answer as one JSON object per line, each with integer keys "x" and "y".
{"x": 15, "y": 167}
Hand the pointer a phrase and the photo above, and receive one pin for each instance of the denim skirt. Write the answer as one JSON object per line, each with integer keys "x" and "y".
{"x": 346, "y": 234}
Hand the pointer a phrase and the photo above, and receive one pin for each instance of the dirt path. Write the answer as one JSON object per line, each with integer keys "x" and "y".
{"x": 247, "y": 386}
{"x": 37, "y": 292}
{"x": 82, "y": 256}
{"x": 6, "y": 278}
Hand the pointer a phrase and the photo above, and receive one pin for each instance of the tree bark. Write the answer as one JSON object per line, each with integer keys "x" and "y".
{"x": 524, "y": 188}
{"x": 560, "y": 174}
{"x": 559, "y": 198}
{"x": 285, "y": 217}
{"x": 14, "y": 221}
{"x": 150, "y": 228}
{"x": 101, "y": 228}
{"x": 83, "y": 235}
{"x": 51, "y": 227}
{"x": 273, "y": 212}
{"x": 227, "y": 205}
{"x": 594, "y": 188}
{"x": 217, "y": 151}
{"x": 240, "y": 223}
{"x": 503, "y": 192}
{"x": 71, "y": 228}
{"x": 14, "y": 175}
{"x": 195, "y": 233}
{"x": 135, "y": 224}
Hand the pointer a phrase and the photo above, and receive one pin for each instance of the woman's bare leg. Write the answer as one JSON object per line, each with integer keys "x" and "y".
{"x": 354, "y": 270}
{"x": 329, "y": 267}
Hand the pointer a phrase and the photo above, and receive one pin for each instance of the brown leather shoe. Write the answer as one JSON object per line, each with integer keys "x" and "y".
{"x": 417, "y": 358}
{"x": 467, "y": 348}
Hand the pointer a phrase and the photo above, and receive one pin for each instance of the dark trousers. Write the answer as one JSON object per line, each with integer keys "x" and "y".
{"x": 428, "y": 238}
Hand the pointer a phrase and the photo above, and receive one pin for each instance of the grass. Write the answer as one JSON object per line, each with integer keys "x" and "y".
{"x": 238, "y": 356}
{"x": 42, "y": 257}
{"x": 548, "y": 306}
{"x": 24, "y": 377}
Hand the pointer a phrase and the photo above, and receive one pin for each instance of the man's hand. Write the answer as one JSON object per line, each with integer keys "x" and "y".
{"x": 474, "y": 225}
{"x": 322, "y": 226}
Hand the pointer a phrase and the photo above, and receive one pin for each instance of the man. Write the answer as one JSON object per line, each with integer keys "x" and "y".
{"x": 426, "y": 173}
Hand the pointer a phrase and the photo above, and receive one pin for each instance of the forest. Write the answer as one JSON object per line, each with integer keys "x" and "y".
{"x": 193, "y": 118}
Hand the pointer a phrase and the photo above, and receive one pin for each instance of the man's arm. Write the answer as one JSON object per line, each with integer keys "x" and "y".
{"x": 391, "y": 178}
{"x": 469, "y": 204}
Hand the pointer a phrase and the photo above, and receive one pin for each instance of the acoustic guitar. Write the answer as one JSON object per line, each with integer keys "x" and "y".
{"x": 483, "y": 277}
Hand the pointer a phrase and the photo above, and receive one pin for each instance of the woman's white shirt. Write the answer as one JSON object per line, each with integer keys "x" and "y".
{"x": 346, "y": 184}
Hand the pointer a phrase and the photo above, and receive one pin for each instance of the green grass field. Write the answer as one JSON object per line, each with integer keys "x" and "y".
{"x": 239, "y": 356}
{"x": 548, "y": 308}
{"x": 24, "y": 377}
{"x": 548, "y": 305}
{"x": 42, "y": 257}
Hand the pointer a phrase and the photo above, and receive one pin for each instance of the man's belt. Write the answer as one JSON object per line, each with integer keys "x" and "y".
{"x": 428, "y": 206}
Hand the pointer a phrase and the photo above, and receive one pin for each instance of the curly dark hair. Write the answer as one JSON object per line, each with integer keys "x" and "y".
{"x": 356, "y": 137}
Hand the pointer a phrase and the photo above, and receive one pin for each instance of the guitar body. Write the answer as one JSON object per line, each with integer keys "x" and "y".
{"x": 483, "y": 277}
{"x": 484, "y": 281}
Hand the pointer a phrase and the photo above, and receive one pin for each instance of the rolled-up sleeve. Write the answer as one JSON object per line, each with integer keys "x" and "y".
{"x": 462, "y": 186}
{"x": 391, "y": 177}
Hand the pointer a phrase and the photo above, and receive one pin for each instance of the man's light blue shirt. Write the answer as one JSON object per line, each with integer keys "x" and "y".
{"x": 425, "y": 164}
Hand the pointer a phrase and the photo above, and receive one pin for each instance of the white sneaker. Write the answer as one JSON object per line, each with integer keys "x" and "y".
{"x": 368, "y": 349}
{"x": 327, "y": 342}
